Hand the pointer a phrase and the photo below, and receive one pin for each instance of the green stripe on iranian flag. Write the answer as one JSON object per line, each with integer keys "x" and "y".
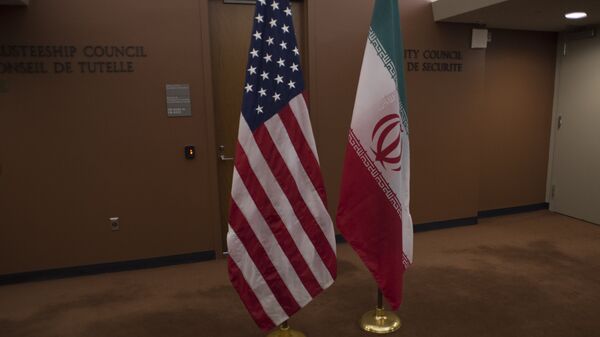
{"x": 385, "y": 26}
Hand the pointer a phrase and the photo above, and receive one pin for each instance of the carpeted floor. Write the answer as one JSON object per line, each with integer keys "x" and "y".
{"x": 533, "y": 274}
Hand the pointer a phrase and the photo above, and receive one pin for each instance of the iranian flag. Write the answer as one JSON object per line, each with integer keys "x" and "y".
{"x": 373, "y": 213}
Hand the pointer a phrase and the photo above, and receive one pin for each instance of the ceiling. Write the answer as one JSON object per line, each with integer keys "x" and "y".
{"x": 540, "y": 15}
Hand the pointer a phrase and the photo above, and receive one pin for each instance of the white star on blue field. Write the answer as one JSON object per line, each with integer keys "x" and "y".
{"x": 273, "y": 75}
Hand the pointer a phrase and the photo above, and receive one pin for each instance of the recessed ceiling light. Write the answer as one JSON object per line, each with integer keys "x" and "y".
{"x": 576, "y": 15}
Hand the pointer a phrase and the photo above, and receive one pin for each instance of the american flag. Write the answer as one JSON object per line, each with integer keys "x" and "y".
{"x": 281, "y": 240}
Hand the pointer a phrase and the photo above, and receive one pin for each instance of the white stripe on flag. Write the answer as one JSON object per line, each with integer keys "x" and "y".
{"x": 265, "y": 236}
{"x": 300, "y": 110}
{"x": 282, "y": 205}
{"x": 253, "y": 277}
{"x": 311, "y": 197}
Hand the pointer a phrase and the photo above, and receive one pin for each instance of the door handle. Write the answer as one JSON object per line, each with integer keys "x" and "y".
{"x": 560, "y": 122}
{"x": 222, "y": 156}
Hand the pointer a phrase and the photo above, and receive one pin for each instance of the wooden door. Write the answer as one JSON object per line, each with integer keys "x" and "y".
{"x": 230, "y": 31}
{"x": 576, "y": 162}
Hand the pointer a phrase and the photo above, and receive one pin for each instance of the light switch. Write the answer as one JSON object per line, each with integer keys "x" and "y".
{"x": 190, "y": 152}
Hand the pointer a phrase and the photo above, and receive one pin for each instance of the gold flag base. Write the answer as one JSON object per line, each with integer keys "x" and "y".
{"x": 380, "y": 321}
{"x": 284, "y": 330}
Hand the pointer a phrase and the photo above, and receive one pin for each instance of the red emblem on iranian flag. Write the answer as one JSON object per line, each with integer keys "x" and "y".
{"x": 387, "y": 142}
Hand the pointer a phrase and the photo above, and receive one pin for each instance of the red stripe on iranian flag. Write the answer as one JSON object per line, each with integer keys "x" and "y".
{"x": 278, "y": 227}
{"x": 379, "y": 243}
{"x": 239, "y": 224}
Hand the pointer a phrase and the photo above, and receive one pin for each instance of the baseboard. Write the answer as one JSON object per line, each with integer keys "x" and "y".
{"x": 101, "y": 268}
{"x": 430, "y": 226}
{"x": 513, "y": 210}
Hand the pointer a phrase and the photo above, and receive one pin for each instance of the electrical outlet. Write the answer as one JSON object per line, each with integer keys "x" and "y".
{"x": 114, "y": 223}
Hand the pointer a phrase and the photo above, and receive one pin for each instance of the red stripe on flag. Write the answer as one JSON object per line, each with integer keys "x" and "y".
{"x": 286, "y": 181}
{"x": 307, "y": 157}
{"x": 274, "y": 221}
{"x": 379, "y": 244}
{"x": 242, "y": 229}
{"x": 248, "y": 297}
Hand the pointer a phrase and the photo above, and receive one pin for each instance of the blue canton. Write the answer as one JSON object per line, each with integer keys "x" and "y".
{"x": 273, "y": 75}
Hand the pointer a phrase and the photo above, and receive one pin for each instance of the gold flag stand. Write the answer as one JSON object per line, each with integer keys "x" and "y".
{"x": 284, "y": 330}
{"x": 380, "y": 321}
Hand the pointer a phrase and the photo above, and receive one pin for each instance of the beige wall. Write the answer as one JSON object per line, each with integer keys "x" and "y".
{"x": 76, "y": 149}
{"x": 573, "y": 180}
{"x": 515, "y": 124}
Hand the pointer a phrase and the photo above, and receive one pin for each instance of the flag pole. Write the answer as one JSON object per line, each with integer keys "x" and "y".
{"x": 284, "y": 330}
{"x": 380, "y": 321}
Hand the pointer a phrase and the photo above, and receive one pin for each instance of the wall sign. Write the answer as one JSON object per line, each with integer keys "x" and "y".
{"x": 68, "y": 59}
{"x": 433, "y": 60}
{"x": 179, "y": 103}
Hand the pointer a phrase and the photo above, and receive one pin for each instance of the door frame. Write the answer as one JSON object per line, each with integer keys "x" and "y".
{"x": 211, "y": 140}
{"x": 211, "y": 145}
{"x": 560, "y": 47}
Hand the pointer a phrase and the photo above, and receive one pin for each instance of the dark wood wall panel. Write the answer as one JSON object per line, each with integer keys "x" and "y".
{"x": 76, "y": 149}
